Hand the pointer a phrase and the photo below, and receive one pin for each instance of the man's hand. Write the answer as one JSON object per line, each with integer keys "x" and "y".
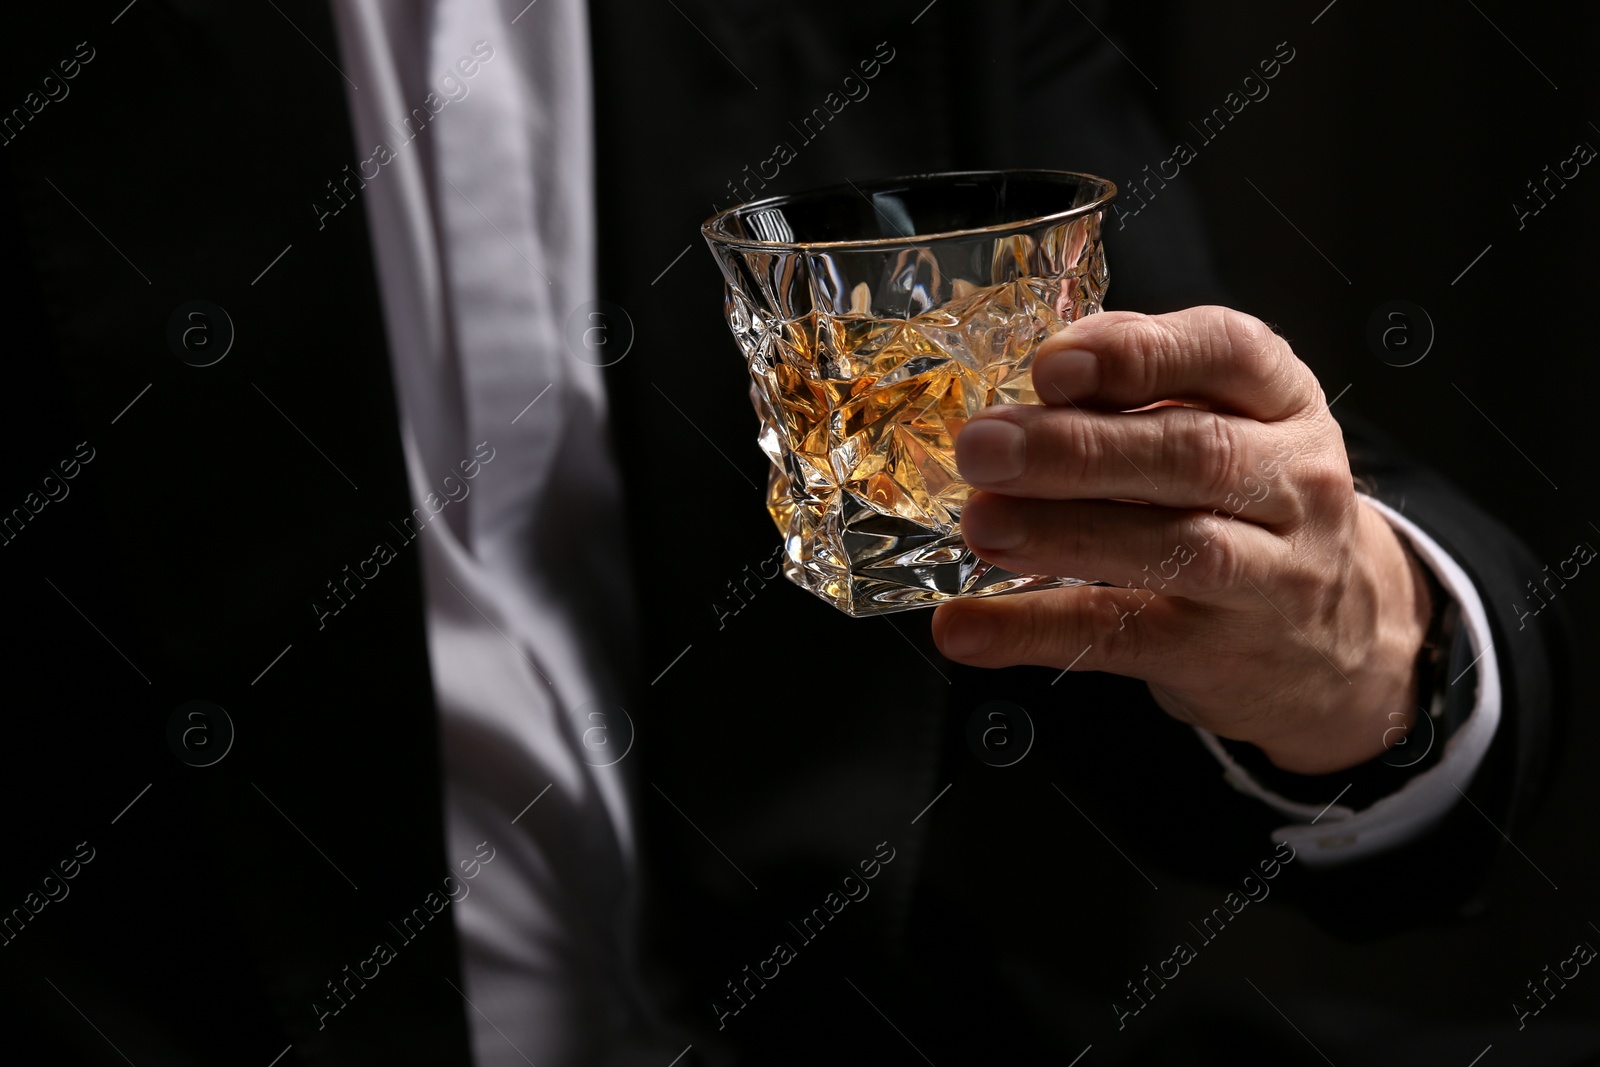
{"x": 1260, "y": 597}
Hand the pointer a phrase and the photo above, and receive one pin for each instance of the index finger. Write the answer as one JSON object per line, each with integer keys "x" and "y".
{"x": 1215, "y": 356}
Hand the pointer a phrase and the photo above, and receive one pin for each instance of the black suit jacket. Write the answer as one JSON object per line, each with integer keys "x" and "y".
{"x": 222, "y": 902}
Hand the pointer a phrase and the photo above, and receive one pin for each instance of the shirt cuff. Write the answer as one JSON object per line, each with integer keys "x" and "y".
{"x": 1335, "y": 834}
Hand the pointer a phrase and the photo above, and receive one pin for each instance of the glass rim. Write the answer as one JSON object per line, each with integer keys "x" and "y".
{"x": 1107, "y": 191}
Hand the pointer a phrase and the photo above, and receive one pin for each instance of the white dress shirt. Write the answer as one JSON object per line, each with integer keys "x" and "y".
{"x": 482, "y": 220}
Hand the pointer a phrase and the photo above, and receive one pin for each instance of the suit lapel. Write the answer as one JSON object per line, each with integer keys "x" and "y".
{"x": 256, "y": 492}
{"x": 795, "y": 737}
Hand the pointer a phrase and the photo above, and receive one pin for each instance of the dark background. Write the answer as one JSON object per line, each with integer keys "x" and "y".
{"x": 1397, "y": 141}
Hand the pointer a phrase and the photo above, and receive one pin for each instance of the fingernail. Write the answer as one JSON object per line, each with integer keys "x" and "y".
{"x": 1071, "y": 374}
{"x": 968, "y": 635}
{"x": 993, "y": 524}
{"x": 990, "y": 450}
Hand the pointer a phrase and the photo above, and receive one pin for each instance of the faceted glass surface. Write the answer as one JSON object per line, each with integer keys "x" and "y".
{"x": 875, "y": 320}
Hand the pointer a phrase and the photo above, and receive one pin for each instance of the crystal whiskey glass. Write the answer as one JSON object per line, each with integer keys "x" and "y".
{"x": 875, "y": 319}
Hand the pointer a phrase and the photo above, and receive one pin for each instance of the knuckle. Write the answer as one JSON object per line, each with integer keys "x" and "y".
{"x": 1245, "y": 334}
{"x": 1256, "y": 351}
{"x": 1043, "y": 632}
{"x": 1217, "y": 567}
{"x": 1211, "y": 449}
{"x": 1208, "y": 333}
{"x": 1120, "y": 638}
{"x": 1267, "y": 361}
{"x": 1079, "y": 449}
{"x": 1148, "y": 345}
{"x": 1323, "y": 478}
{"x": 1323, "y": 487}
